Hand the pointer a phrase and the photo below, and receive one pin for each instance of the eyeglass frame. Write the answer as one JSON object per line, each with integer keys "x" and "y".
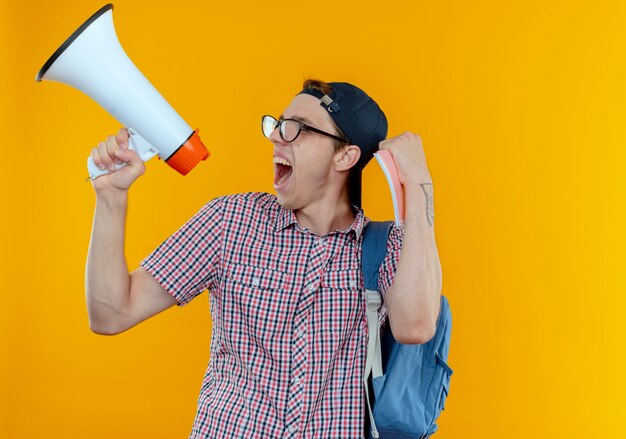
{"x": 302, "y": 126}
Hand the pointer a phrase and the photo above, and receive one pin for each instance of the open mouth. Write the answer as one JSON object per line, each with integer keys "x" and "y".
{"x": 282, "y": 171}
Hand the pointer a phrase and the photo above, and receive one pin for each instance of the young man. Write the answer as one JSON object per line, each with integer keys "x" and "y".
{"x": 287, "y": 298}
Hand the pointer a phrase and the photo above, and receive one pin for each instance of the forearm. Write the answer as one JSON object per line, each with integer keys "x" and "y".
{"x": 107, "y": 282}
{"x": 414, "y": 300}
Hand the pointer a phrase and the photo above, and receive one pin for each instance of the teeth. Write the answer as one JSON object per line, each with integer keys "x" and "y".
{"x": 282, "y": 161}
{"x": 284, "y": 177}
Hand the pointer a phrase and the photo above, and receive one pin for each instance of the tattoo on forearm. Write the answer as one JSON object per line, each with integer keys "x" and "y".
{"x": 430, "y": 208}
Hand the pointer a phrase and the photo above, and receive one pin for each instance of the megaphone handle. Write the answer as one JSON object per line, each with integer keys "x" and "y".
{"x": 137, "y": 143}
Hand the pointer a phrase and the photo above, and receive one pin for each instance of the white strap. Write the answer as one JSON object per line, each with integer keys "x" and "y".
{"x": 373, "y": 364}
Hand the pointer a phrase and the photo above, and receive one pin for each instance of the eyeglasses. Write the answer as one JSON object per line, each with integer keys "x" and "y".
{"x": 290, "y": 129}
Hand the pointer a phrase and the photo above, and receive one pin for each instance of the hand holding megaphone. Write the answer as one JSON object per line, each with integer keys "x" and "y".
{"x": 121, "y": 165}
{"x": 104, "y": 156}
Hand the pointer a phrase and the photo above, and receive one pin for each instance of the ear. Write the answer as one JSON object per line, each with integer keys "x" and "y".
{"x": 347, "y": 157}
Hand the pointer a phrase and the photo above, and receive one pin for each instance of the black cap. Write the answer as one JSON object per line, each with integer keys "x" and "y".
{"x": 360, "y": 119}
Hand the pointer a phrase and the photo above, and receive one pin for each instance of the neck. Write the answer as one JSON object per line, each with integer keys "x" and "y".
{"x": 324, "y": 216}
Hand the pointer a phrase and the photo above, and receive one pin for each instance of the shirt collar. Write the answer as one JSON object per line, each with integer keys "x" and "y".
{"x": 286, "y": 217}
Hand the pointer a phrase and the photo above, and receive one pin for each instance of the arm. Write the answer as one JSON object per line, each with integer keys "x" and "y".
{"x": 414, "y": 297}
{"x": 116, "y": 300}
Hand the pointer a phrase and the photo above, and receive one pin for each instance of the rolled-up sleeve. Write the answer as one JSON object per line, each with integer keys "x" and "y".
{"x": 189, "y": 261}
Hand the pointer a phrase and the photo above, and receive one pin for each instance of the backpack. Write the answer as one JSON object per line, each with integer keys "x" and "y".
{"x": 409, "y": 382}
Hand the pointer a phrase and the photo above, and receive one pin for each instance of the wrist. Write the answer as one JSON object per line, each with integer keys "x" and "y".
{"x": 112, "y": 197}
{"x": 418, "y": 178}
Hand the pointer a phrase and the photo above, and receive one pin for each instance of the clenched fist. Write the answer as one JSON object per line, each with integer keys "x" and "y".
{"x": 409, "y": 157}
{"x": 115, "y": 151}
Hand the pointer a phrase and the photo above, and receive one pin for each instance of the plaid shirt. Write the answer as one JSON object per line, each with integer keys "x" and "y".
{"x": 288, "y": 309}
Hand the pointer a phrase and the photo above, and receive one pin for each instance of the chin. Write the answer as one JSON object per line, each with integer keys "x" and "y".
{"x": 286, "y": 203}
{"x": 281, "y": 200}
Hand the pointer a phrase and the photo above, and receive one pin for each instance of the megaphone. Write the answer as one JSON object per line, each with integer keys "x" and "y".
{"x": 93, "y": 61}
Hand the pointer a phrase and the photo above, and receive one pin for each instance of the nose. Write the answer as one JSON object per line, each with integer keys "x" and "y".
{"x": 276, "y": 139}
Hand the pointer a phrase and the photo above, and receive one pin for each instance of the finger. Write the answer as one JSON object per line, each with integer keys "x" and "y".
{"x": 111, "y": 147}
{"x": 122, "y": 138}
{"x": 386, "y": 144}
{"x": 96, "y": 158}
{"x": 416, "y": 137}
{"x": 105, "y": 157}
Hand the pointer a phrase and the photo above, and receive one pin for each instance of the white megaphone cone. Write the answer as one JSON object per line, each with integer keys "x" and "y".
{"x": 93, "y": 61}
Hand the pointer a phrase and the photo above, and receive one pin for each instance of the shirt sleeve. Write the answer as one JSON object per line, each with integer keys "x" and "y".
{"x": 387, "y": 271}
{"x": 188, "y": 262}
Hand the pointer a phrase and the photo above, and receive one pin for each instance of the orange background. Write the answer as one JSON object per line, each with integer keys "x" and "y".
{"x": 520, "y": 108}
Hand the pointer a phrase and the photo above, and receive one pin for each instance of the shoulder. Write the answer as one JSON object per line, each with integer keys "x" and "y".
{"x": 260, "y": 200}
{"x": 395, "y": 238}
{"x": 249, "y": 204}
{"x": 393, "y": 228}
{"x": 376, "y": 233}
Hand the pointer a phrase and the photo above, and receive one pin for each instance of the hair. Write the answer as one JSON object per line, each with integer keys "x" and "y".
{"x": 327, "y": 89}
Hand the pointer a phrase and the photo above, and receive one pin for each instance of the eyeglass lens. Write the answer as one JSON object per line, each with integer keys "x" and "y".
{"x": 268, "y": 125}
{"x": 289, "y": 129}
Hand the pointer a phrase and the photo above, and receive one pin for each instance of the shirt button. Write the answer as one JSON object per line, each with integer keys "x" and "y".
{"x": 352, "y": 284}
{"x": 296, "y": 380}
{"x": 291, "y": 429}
{"x": 299, "y": 333}
{"x": 311, "y": 288}
{"x": 255, "y": 281}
